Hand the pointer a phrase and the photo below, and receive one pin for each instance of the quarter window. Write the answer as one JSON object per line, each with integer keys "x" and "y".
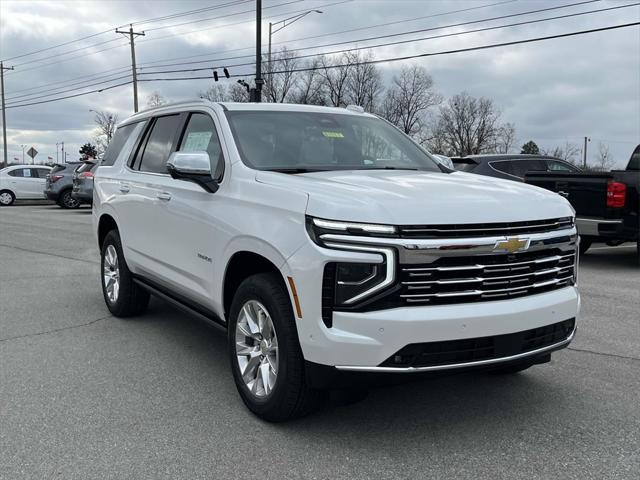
{"x": 159, "y": 145}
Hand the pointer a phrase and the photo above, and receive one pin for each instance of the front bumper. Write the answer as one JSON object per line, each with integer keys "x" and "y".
{"x": 615, "y": 229}
{"x": 361, "y": 341}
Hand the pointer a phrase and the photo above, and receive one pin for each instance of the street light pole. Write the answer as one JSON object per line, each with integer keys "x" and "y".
{"x": 23, "y": 146}
{"x": 284, "y": 23}
{"x": 57, "y": 159}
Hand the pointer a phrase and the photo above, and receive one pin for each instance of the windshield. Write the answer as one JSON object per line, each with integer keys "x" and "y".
{"x": 296, "y": 142}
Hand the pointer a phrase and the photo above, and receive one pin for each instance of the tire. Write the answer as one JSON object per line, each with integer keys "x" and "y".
{"x": 67, "y": 201}
{"x": 129, "y": 299}
{"x": 585, "y": 244}
{"x": 285, "y": 395}
{"x": 511, "y": 369}
{"x": 7, "y": 198}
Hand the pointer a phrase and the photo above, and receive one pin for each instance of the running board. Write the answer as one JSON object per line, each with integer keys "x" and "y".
{"x": 197, "y": 311}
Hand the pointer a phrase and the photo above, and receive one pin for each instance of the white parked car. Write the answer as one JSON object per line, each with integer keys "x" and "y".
{"x": 331, "y": 248}
{"x": 22, "y": 182}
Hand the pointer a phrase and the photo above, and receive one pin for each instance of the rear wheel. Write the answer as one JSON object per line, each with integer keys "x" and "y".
{"x": 266, "y": 359}
{"x": 67, "y": 201}
{"x": 122, "y": 295}
{"x": 7, "y": 198}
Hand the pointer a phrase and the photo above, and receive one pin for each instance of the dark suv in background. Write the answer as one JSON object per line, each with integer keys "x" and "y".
{"x": 511, "y": 167}
{"x": 59, "y": 185}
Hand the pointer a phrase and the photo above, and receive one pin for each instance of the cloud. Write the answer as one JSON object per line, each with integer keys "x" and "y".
{"x": 553, "y": 91}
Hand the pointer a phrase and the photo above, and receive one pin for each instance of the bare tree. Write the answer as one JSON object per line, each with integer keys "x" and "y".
{"x": 364, "y": 82}
{"x": 280, "y": 76}
{"x": 237, "y": 93}
{"x": 604, "y": 160}
{"x": 155, "y": 100}
{"x": 309, "y": 88}
{"x": 105, "y": 128}
{"x": 506, "y": 138}
{"x": 567, "y": 152}
{"x": 215, "y": 93}
{"x": 468, "y": 125}
{"x": 409, "y": 98}
{"x": 335, "y": 75}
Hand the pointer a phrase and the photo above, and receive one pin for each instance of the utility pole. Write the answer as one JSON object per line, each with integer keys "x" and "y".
{"x": 57, "y": 159}
{"x": 23, "y": 147}
{"x": 584, "y": 153}
{"x": 257, "y": 92}
{"x": 131, "y": 34}
{"x": 4, "y": 118}
{"x": 64, "y": 159}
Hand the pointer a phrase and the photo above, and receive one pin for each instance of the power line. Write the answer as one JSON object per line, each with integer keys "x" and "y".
{"x": 217, "y": 27}
{"x": 190, "y": 12}
{"x": 395, "y": 34}
{"x": 68, "y": 52}
{"x": 336, "y": 51}
{"x": 304, "y": 38}
{"x": 71, "y": 96}
{"x": 93, "y": 35}
{"x": 398, "y": 42}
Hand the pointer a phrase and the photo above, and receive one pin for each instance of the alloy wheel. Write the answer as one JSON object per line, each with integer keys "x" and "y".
{"x": 111, "y": 274}
{"x": 69, "y": 201}
{"x": 257, "y": 349}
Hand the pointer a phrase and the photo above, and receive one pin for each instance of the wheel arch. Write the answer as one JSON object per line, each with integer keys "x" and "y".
{"x": 8, "y": 190}
{"x": 241, "y": 265}
{"x": 105, "y": 225}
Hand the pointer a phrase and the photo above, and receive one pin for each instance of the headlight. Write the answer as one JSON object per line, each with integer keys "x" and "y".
{"x": 318, "y": 226}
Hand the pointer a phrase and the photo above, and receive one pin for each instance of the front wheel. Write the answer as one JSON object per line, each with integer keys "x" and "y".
{"x": 266, "y": 359}
{"x": 122, "y": 295}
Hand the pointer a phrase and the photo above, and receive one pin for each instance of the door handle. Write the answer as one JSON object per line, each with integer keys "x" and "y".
{"x": 125, "y": 188}
{"x": 563, "y": 194}
{"x": 164, "y": 196}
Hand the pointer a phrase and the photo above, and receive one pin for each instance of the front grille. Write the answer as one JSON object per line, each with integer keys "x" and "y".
{"x": 481, "y": 348}
{"x": 484, "y": 229}
{"x": 486, "y": 277}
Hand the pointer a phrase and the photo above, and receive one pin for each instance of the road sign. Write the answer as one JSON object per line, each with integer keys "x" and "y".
{"x": 32, "y": 152}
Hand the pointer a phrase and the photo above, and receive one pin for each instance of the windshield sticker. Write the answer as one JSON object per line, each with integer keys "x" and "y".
{"x": 333, "y": 134}
{"x": 197, "y": 141}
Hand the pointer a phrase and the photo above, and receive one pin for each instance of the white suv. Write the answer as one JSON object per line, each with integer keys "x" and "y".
{"x": 331, "y": 248}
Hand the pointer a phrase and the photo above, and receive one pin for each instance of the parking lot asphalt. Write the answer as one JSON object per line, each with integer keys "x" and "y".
{"x": 84, "y": 395}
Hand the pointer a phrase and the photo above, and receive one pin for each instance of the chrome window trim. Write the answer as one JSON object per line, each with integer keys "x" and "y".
{"x": 451, "y": 366}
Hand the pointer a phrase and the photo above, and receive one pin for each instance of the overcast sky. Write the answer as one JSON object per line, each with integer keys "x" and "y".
{"x": 554, "y": 91}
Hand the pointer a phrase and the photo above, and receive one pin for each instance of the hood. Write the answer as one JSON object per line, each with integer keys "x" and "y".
{"x": 401, "y": 197}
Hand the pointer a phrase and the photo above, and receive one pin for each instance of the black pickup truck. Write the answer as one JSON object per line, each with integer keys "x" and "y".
{"x": 606, "y": 203}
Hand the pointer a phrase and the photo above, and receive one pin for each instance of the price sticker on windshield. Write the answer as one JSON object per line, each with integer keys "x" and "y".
{"x": 333, "y": 134}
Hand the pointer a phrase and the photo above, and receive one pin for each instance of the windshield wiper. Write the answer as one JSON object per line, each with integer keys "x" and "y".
{"x": 294, "y": 170}
{"x": 387, "y": 167}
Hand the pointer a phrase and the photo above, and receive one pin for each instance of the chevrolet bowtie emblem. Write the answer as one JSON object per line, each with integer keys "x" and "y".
{"x": 512, "y": 245}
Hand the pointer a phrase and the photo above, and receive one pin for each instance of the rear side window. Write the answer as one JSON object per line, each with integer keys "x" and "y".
{"x": 39, "y": 172}
{"x": 116, "y": 144}
{"x": 634, "y": 161}
{"x": 18, "y": 172}
{"x": 159, "y": 144}
{"x": 520, "y": 167}
{"x": 504, "y": 167}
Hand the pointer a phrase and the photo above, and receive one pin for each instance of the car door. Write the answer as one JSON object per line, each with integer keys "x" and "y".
{"x": 22, "y": 183}
{"x": 188, "y": 239}
{"x": 138, "y": 204}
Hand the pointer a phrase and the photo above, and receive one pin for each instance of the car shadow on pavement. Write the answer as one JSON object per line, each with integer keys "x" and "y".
{"x": 419, "y": 406}
{"x": 624, "y": 257}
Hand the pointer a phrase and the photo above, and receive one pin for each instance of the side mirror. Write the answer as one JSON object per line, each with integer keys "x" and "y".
{"x": 193, "y": 167}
